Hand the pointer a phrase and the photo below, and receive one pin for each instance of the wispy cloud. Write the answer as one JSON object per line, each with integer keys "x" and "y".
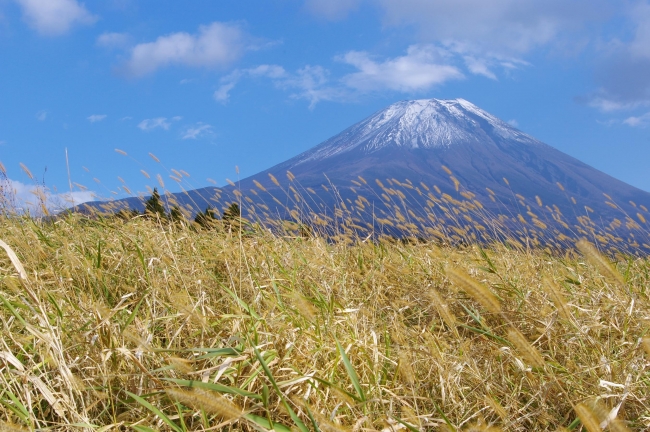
{"x": 222, "y": 94}
{"x": 311, "y": 83}
{"x": 640, "y": 121}
{"x": 96, "y": 118}
{"x": 215, "y": 45}
{"x": 41, "y": 115}
{"x": 55, "y": 17}
{"x": 513, "y": 123}
{"x": 197, "y": 131}
{"x": 113, "y": 40}
{"x": 154, "y": 123}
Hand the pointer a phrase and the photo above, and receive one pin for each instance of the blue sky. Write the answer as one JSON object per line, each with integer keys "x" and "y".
{"x": 208, "y": 86}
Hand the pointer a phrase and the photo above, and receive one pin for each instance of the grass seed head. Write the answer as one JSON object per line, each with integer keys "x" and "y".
{"x": 588, "y": 418}
{"x": 443, "y": 309}
{"x": 475, "y": 289}
{"x": 524, "y": 348}
{"x": 210, "y": 403}
{"x": 604, "y": 266}
{"x": 557, "y": 298}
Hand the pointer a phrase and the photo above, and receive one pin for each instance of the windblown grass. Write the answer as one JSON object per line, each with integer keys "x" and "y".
{"x": 143, "y": 325}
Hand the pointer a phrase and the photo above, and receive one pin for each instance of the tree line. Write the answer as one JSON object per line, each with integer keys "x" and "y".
{"x": 154, "y": 208}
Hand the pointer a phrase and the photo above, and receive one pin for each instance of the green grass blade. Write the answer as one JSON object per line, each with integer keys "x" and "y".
{"x": 135, "y": 312}
{"x": 351, "y": 372}
{"x": 17, "y": 406}
{"x": 155, "y": 411}
{"x": 268, "y": 373}
{"x": 266, "y": 424}
{"x": 406, "y": 425}
{"x": 140, "y": 428}
{"x": 13, "y": 310}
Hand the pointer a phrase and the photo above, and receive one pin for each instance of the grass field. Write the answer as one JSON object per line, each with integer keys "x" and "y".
{"x": 142, "y": 325}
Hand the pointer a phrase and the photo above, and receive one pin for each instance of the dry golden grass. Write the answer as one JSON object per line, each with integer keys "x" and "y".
{"x": 148, "y": 326}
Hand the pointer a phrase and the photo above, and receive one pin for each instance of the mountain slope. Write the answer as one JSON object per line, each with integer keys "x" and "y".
{"x": 417, "y": 160}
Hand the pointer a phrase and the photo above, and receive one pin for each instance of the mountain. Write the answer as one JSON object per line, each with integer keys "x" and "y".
{"x": 424, "y": 163}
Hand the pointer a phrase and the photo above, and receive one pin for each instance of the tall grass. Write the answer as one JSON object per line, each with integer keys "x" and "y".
{"x": 305, "y": 317}
{"x": 145, "y": 325}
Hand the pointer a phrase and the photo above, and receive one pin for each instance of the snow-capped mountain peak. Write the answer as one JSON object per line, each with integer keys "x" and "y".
{"x": 422, "y": 123}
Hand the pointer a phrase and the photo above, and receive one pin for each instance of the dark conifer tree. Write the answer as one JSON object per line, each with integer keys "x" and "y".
{"x": 233, "y": 212}
{"x": 207, "y": 218}
{"x": 154, "y": 206}
{"x": 176, "y": 215}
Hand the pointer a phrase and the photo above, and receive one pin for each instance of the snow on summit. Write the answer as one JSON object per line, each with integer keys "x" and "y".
{"x": 423, "y": 123}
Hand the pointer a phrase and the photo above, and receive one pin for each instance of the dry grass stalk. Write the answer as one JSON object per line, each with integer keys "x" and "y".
{"x": 588, "y": 418}
{"x": 604, "y": 266}
{"x": 10, "y": 427}
{"x": 244, "y": 287}
{"x": 617, "y": 425}
{"x": 497, "y": 408}
{"x": 532, "y": 356}
{"x": 405, "y": 368}
{"x": 477, "y": 290}
{"x": 645, "y": 343}
{"x": 557, "y": 298}
{"x": 443, "y": 309}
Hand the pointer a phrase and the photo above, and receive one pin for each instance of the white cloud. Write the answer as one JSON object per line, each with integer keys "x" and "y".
{"x": 154, "y": 123}
{"x": 215, "y": 45}
{"x": 423, "y": 67}
{"x": 41, "y": 115}
{"x": 96, "y": 117}
{"x": 55, "y": 17}
{"x": 113, "y": 40}
{"x": 197, "y": 131}
{"x": 332, "y": 9}
{"x": 513, "y": 123}
{"x": 640, "y": 121}
{"x": 21, "y": 197}
{"x": 479, "y": 66}
{"x": 222, "y": 94}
